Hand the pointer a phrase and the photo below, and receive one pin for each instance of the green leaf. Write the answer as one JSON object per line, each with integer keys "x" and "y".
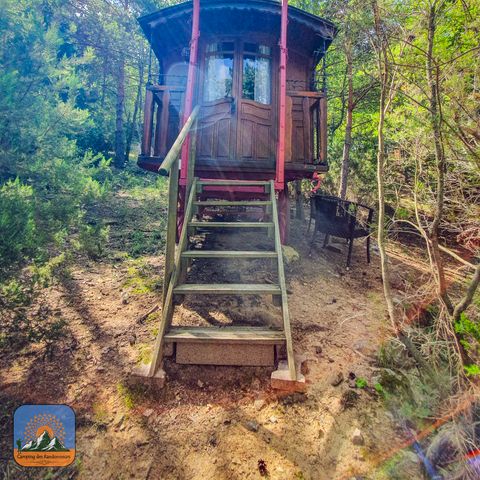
{"x": 361, "y": 382}
{"x": 472, "y": 370}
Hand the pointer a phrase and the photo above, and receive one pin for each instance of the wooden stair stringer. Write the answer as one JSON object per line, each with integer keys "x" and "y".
{"x": 167, "y": 310}
{"x": 283, "y": 286}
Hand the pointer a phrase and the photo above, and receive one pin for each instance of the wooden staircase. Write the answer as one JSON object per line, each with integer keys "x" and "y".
{"x": 247, "y": 345}
{"x": 232, "y": 345}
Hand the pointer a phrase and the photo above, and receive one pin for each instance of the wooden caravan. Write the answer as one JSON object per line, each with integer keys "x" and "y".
{"x": 235, "y": 112}
{"x": 237, "y": 86}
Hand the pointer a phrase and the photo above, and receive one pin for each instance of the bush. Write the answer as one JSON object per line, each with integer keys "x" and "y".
{"x": 17, "y": 224}
{"x": 93, "y": 240}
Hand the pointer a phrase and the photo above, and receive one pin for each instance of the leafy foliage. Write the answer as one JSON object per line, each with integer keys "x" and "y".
{"x": 361, "y": 382}
{"x": 17, "y": 224}
{"x": 469, "y": 332}
{"x": 47, "y": 182}
{"x": 58, "y": 78}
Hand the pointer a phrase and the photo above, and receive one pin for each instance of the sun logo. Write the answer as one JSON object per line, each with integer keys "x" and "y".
{"x": 44, "y": 423}
{"x": 44, "y": 435}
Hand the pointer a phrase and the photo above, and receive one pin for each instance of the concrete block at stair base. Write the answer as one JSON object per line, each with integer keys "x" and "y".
{"x": 139, "y": 376}
{"x": 225, "y": 354}
{"x": 281, "y": 380}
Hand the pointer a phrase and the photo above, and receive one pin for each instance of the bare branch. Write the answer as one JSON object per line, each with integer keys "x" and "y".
{"x": 468, "y": 298}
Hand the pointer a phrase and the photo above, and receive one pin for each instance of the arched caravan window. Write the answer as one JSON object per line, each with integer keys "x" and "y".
{"x": 255, "y": 62}
{"x": 256, "y": 80}
{"x": 219, "y": 71}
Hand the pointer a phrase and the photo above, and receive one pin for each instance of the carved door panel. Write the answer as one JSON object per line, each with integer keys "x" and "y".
{"x": 216, "y": 140}
{"x": 255, "y": 118}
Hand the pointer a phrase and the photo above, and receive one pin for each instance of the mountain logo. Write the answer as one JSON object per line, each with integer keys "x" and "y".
{"x": 44, "y": 435}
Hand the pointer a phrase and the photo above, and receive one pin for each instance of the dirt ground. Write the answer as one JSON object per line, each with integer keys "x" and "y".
{"x": 216, "y": 422}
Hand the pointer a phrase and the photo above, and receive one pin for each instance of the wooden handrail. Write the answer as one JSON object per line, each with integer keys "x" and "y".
{"x": 174, "y": 152}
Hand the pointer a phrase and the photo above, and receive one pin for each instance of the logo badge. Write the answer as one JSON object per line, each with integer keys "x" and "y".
{"x": 44, "y": 435}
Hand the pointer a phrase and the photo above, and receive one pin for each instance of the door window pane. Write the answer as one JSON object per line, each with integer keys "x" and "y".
{"x": 264, "y": 50}
{"x": 220, "y": 47}
{"x": 255, "y": 48}
{"x": 256, "y": 79}
{"x": 218, "y": 76}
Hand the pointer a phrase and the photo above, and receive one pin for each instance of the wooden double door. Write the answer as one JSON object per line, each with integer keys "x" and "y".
{"x": 238, "y": 104}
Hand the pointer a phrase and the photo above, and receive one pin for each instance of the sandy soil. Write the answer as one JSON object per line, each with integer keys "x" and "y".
{"x": 215, "y": 422}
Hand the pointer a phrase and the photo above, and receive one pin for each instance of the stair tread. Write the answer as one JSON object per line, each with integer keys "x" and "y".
{"x": 225, "y": 335}
{"x": 227, "y": 203}
{"x": 233, "y": 182}
{"x": 230, "y": 253}
{"x": 228, "y": 288}
{"x": 231, "y": 224}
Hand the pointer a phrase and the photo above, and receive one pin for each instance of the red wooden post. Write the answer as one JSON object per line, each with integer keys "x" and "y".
{"x": 187, "y": 110}
{"x": 283, "y": 215}
{"x": 280, "y": 170}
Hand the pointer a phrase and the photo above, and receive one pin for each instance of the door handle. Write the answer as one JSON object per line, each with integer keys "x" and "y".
{"x": 233, "y": 106}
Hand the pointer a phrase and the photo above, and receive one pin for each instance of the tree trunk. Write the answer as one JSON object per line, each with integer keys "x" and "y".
{"x": 384, "y": 80}
{"x": 387, "y": 88}
{"x": 104, "y": 83}
{"x": 348, "y": 127}
{"x": 132, "y": 127}
{"x": 436, "y": 120}
{"x": 119, "y": 160}
{"x": 441, "y": 166}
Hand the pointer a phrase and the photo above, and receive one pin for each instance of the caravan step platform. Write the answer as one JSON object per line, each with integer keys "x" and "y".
{"x": 233, "y": 183}
{"x": 232, "y": 203}
{"x": 230, "y": 224}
